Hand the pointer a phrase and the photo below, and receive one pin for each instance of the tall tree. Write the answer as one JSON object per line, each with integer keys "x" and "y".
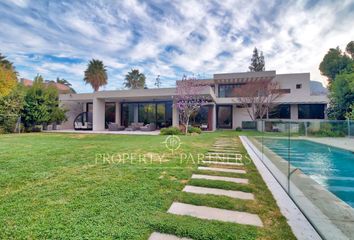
{"x": 341, "y": 95}
{"x": 333, "y": 63}
{"x": 158, "y": 81}
{"x": 134, "y": 79}
{"x": 257, "y": 62}
{"x": 258, "y": 97}
{"x": 350, "y": 49}
{"x": 189, "y": 99}
{"x": 8, "y": 80}
{"x": 96, "y": 74}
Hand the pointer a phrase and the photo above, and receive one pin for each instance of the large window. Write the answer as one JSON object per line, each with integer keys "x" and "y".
{"x": 224, "y": 116}
{"x": 148, "y": 112}
{"x": 228, "y": 90}
{"x": 201, "y": 117}
{"x": 311, "y": 111}
{"x": 281, "y": 111}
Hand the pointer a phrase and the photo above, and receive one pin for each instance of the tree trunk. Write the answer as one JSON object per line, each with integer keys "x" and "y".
{"x": 186, "y": 130}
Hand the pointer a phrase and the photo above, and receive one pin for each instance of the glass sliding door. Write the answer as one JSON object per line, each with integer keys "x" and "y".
{"x": 127, "y": 114}
{"x": 147, "y": 113}
{"x": 159, "y": 113}
{"x": 110, "y": 113}
{"x": 224, "y": 116}
{"x": 201, "y": 117}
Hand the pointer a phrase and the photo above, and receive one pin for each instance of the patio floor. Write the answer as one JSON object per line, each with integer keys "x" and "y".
{"x": 157, "y": 132}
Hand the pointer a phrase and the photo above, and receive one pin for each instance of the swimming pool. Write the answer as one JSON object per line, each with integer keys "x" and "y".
{"x": 331, "y": 167}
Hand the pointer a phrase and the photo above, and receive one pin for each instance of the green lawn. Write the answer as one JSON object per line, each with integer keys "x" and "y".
{"x": 53, "y": 187}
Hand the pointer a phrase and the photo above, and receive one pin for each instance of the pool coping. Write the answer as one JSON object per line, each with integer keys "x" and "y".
{"x": 300, "y": 225}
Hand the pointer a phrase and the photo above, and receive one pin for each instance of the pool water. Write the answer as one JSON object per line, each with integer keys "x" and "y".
{"x": 331, "y": 167}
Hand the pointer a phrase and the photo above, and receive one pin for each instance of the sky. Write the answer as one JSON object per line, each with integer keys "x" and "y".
{"x": 170, "y": 38}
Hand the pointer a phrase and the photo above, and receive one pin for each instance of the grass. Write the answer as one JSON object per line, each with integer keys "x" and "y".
{"x": 59, "y": 186}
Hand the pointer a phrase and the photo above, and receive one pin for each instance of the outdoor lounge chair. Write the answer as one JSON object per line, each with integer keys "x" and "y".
{"x": 148, "y": 127}
{"x": 134, "y": 126}
{"x": 115, "y": 127}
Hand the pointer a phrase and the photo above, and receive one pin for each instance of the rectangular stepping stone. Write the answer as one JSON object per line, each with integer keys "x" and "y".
{"x": 223, "y": 163}
{"x": 223, "y": 150}
{"x": 162, "y": 236}
{"x": 219, "y": 178}
{"x": 222, "y": 169}
{"x": 219, "y": 192}
{"x": 239, "y": 157}
{"x": 222, "y": 153}
{"x": 210, "y": 213}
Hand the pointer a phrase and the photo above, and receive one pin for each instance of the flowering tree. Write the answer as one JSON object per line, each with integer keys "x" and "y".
{"x": 189, "y": 99}
{"x": 258, "y": 97}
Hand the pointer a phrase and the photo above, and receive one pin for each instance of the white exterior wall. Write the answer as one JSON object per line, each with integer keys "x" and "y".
{"x": 239, "y": 115}
{"x": 302, "y": 95}
{"x": 74, "y": 109}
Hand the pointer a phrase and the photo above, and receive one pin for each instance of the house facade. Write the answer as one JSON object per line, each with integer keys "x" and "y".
{"x": 94, "y": 111}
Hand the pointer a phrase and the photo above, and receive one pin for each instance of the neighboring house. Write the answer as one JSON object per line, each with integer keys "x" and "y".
{"x": 62, "y": 89}
{"x": 156, "y": 105}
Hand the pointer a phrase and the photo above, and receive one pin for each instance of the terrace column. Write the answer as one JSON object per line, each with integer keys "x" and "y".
{"x": 214, "y": 118}
{"x": 98, "y": 114}
{"x": 118, "y": 113}
{"x": 175, "y": 115}
{"x": 136, "y": 113}
{"x": 294, "y": 112}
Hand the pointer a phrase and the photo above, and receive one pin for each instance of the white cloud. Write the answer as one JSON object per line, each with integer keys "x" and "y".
{"x": 293, "y": 36}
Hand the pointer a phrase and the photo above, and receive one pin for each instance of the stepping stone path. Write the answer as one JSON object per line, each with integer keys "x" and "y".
{"x": 220, "y": 192}
{"x": 223, "y": 149}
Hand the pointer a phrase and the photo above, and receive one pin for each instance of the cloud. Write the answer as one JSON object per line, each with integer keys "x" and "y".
{"x": 170, "y": 38}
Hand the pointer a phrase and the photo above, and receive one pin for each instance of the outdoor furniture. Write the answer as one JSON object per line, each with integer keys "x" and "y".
{"x": 115, "y": 127}
{"x": 148, "y": 127}
{"x": 204, "y": 127}
{"x": 85, "y": 126}
{"x": 134, "y": 126}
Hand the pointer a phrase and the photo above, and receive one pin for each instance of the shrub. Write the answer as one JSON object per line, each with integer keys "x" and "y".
{"x": 170, "y": 131}
{"x": 238, "y": 129}
{"x": 194, "y": 130}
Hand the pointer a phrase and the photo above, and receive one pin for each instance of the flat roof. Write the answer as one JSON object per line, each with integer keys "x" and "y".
{"x": 130, "y": 95}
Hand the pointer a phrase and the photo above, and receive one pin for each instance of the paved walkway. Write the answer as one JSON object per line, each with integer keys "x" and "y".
{"x": 218, "y": 163}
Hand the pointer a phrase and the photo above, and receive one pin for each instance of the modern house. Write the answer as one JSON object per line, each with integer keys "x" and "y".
{"x": 300, "y": 100}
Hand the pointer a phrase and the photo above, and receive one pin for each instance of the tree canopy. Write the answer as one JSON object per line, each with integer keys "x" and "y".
{"x": 257, "y": 62}
{"x": 8, "y": 80}
{"x": 134, "y": 79}
{"x": 350, "y": 49}
{"x": 333, "y": 63}
{"x": 338, "y": 66}
{"x": 96, "y": 74}
{"x": 8, "y": 76}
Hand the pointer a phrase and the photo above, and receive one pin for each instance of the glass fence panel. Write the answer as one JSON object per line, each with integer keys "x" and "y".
{"x": 314, "y": 163}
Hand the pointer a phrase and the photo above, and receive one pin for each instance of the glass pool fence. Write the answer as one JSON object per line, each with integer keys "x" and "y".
{"x": 314, "y": 163}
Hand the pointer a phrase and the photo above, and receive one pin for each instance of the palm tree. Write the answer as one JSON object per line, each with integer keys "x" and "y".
{"x": 134, "y": 79}
{"x": 6, "y": 63}
{"x": 96, "y": 74}
{"x": 66, "y": 83}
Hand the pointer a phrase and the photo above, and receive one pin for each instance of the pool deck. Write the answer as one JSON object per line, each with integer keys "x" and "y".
{"x": 339, "y": 142}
